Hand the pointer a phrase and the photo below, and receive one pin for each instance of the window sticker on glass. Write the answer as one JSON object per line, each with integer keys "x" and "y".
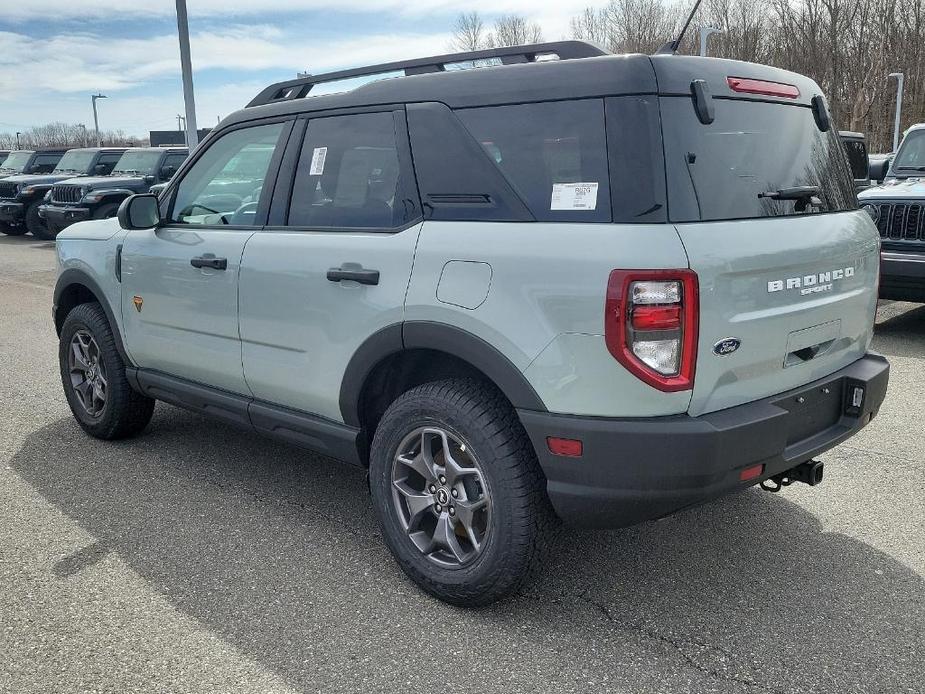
{"x": 574, "y": 196}
{"x": 318, "y": 157}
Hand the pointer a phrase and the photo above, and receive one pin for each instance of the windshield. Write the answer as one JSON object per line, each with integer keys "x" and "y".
{"x": 138, "y": 163}
{"x": 17, "y": 160}
{"x": 75, "y": 161}
{"x": 911, "y": 155}
{"x": 756, "y": 159}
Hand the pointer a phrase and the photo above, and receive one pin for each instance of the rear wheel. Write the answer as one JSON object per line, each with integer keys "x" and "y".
{"x": 458, "y": 491}
{"x": 36, "y": 225}
{"x": 93, "y": 376}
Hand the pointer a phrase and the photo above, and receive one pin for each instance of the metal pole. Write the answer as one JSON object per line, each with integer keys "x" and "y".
{"x": 899, "y": 106}
{"x": 18, "y": 145}
{"x": 705, "y": 33}
{"x": 186, "y": 66}
{"x": 96, "y": 120}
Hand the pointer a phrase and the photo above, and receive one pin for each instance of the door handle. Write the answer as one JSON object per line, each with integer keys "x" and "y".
{"x": 209, "y": 260}
{"x": 353, "y": 272}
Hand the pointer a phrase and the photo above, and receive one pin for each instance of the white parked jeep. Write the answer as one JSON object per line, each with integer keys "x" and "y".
{"x": 571, "y": 284}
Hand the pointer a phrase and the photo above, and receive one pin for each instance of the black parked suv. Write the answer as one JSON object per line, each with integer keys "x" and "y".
{"x": 27, "y": 161}
{"x": 22, "y": 195}
{"x": 855, "y": 145}
{"x": 79, "y": 199}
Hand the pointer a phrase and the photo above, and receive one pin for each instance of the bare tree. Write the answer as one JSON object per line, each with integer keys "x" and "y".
{"x": 60, "y": 134}
{"x": 469, "y": 34}
{"x": 515, "y": 30}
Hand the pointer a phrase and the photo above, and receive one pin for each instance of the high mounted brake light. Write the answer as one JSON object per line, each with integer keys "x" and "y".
{"x": 651, "y": 320}
{"x": 745, "y": 85}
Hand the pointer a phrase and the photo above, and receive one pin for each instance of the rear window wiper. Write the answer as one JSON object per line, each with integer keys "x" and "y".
{"x": 797, "y": 193}
{"x": 805, "y": 196}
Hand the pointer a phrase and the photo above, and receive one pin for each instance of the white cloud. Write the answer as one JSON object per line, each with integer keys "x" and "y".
{"x": 52, "y": 81}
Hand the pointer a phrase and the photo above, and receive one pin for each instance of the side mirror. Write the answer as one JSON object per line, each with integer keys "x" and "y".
{"x": 139, "y": 212}
{"x": 35, "y": 168}
{"x": 878, "y": 170}
{"x": 101, "y": 169}
{"x": 167, "y": 172}
{"x": 149, "y": 179}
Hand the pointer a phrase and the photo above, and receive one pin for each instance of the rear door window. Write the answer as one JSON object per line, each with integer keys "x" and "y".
{"x": 348, "y": 176}
{"x": 731, "y": 168}
{"x": 554, "y": 154}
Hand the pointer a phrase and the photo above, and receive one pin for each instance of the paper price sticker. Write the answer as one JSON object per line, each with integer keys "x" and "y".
{"x": 318, "y": 157}
{"x": 574, "y": 196}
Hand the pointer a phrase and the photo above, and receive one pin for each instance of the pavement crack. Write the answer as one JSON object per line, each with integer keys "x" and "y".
{"x": 682, "y": 646}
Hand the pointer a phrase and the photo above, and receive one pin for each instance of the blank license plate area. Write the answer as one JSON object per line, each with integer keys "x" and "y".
{"x": 812, "y": 411}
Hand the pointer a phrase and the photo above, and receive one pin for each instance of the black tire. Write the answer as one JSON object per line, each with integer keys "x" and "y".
{"x": 107, "y": 211}
{"x": 36, "y": 225}
{"x": 12, "y": 231}
{"x": 521, "y": 516}
{"x": 125, "y": 412}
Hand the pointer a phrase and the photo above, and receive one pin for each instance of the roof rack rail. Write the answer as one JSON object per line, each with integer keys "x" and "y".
{"x": 299, "y": 88}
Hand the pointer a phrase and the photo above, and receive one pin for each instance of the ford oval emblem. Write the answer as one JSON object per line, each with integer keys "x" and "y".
{"x": 727, "y": 345}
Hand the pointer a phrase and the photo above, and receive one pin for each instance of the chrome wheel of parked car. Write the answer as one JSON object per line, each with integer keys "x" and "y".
{"x": 441, "y": 496}
{"x": 87, "y": 372}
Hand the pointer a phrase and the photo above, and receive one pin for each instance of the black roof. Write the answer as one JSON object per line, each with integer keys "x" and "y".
{"x": 585, "y": 71}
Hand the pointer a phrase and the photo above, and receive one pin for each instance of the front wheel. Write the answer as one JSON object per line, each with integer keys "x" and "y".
{"x": 93, "y": 376}
{"x": 12, "y": 231}
{"x": 36, "y": 225}
{"x": 107, "y": 211}
{"x": 458, "y": 491}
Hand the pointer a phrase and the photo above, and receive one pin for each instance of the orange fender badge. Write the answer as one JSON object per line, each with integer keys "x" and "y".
{"x": 139, "y": 302}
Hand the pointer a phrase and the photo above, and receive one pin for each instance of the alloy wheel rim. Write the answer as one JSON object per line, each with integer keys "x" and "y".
{"x": 87, "y": 372}
{"x": 441, "y": 497}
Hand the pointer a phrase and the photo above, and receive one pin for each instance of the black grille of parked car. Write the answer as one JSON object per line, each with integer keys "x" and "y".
{"x": 901, "y": 221}
{"x": 66, "y": 194}
{"x": 7, "y": 190}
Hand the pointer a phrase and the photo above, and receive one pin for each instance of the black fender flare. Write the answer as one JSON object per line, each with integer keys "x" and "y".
{"x": 440, "y": 337}
{"x": 75, "y": 276}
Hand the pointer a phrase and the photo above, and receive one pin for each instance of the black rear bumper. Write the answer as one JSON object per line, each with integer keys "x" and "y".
{"x": 902, "y": 275}
{"x": 632, "y": 470}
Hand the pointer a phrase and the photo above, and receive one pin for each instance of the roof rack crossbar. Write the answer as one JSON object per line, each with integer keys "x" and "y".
{"x": 299, "y": 88}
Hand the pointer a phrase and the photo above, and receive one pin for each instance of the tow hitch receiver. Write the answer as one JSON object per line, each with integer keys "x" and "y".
{"x": 809, "y": 473}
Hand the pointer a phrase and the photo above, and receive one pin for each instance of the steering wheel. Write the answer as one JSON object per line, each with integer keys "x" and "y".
{"x": 240, "y": 215}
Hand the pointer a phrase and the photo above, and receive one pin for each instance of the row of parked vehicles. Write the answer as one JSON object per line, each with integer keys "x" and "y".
{"x": 44, "y": 191}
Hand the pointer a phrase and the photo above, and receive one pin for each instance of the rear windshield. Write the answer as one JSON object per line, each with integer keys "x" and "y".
{"x": 857, "y": 158}
{"x": 731, "y": 168}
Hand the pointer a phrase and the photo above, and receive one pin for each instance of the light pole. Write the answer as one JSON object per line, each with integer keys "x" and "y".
{"x": 18, "y": 146}
{"x": 83, "y": 134}
{"x": 705, "y": 33}
{"x": 186, "y": 67}
{"x": 96, "y": 120}
{"x": 899, "y": 106}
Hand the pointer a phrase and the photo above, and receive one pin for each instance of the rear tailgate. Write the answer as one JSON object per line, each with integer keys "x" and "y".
{"x": 762, "y": 197}
{"x": 789, "y": 336}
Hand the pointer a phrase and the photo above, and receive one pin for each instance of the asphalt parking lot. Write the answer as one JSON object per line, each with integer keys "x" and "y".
{"x": 197, "y": 558}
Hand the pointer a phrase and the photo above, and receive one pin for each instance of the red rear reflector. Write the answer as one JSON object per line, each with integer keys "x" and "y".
{"x": 748, "y": 86}
{"x": 657, "y": 317}
{"x": 751, "y": 473}
{"x": 567, "y": 447}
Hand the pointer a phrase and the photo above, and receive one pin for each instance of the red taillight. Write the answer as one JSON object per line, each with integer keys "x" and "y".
{"x": 751, "y": 473}
{"x": 657, "y": 317}
{"x": 571, "y": 448}
{"x": 763, "y": 87}
{"x": 651, "y": 319}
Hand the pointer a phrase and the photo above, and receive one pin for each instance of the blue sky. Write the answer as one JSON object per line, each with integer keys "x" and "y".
{"x": 58, "y": 52}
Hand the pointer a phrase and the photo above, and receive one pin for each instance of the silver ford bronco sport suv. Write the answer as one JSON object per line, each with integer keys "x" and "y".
{"x": 563, "y": 284}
